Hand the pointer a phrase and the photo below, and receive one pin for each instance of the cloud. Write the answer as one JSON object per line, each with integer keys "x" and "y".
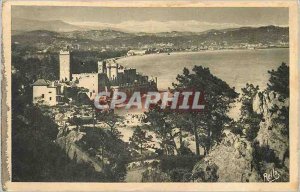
{"x": 152, "y": 26}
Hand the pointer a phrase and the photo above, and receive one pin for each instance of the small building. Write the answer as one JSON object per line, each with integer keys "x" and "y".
{"x": 46, "y": 92}
{"x": 136, "y": 52}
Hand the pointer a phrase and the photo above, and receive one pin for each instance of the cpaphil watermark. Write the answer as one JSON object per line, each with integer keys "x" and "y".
{"x": 177, "y": 100}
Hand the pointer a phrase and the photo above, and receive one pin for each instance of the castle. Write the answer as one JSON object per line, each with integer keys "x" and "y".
{"x": 110, "y": 75}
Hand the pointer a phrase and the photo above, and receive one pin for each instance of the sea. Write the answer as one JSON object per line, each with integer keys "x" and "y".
{"x": 236, "y": 67}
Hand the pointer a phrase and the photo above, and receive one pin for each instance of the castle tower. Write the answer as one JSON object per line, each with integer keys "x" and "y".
{"x": 64, "y": 66}
{"x": 102, "y": 67}
{"x": 109, "y": 71}
{"x": 114, "y": 71}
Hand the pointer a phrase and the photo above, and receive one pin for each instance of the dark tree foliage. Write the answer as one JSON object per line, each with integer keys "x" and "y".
{"x": 246, "y": 99}
{"x": 86, "y": 61}
{"x": 171, "y": 162}
{"x": 207, "y": 173}
{"x": 36, "y": 157}
{"x": 21, "y": 92}
{"x": 140, "y": 140}
{"x": 282, "y": 119}
{"x": 249, "y": 120}
{"x": 78, "y": 95}
{"x": 111, "y": 150}
{"x": 263, "y": 156}
{"x": 110, "y": 119}
{"x": 279, "y": 80}
{"x": 35, "y": 67}
{"x": 163, "y": 122}
{"x": 180, "y": 175}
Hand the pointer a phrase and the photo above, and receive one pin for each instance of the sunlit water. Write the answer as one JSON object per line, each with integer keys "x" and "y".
{"x": 236, "y": 67}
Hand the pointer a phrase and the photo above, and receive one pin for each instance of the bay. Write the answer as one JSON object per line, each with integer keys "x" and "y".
{"x": 236, "y": 67}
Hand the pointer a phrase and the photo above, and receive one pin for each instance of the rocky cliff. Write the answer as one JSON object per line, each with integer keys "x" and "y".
{"x": 74, "y": 151}
{"x": 270, "y": 132}
{"x": 229, "y": 161}
{"x": 272, "y": 141}
{"x": 236, "y": 159}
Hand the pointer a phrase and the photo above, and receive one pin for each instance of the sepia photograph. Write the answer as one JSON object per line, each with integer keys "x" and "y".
{"x": 151, "y": 94}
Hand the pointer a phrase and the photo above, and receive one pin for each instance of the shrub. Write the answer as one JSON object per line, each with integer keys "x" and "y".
{"x": 169, "y": 163}
{"x": 155, "y": 175}
{"x": 179, "y": 175}
{"x": 206, "y": 173}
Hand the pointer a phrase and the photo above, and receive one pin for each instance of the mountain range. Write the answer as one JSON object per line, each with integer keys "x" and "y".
{"x": 20, "y": 24}
{"x": 149, "y": 26}
{"x": 56, "y": 34}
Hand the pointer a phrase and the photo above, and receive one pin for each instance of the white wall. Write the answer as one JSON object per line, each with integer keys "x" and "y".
{"x": 49, "y": 95}
{"x": 100, "y": 68}
{"x": 114, "y": 72}
{"x": 64, "y": 65}
{"x": 88, "y": 81}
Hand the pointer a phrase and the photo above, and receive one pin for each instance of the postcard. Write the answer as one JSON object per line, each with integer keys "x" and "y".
{"x": 150, "y": 96}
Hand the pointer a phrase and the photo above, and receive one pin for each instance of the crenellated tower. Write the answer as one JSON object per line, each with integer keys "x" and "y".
{"x": 64, "y": 66}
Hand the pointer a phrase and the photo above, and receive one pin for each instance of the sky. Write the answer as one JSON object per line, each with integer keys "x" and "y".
{"x": 156, "y": 19}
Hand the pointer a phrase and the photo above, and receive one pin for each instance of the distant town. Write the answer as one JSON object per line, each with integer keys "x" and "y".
{"x": 146, "y": 43}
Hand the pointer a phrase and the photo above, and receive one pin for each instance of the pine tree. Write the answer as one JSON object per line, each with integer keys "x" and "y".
{"x": 279, "y": 80}
{"x": 218, "y": 96}
{"x": 140, "y": 140}
{"x": 249, "y": 120}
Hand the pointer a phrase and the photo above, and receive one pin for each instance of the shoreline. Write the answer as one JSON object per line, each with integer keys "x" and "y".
{"x": 194, "y": 52}
{"x": 131, "y": 61}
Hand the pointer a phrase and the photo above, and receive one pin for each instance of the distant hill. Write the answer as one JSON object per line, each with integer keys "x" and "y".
{"x": 170, "y": 34}
{"x": 19, "y": 24}
{"x": 108, "y": 38}
{"x": 97, "y": 35}
{"x": 266, "y": 34}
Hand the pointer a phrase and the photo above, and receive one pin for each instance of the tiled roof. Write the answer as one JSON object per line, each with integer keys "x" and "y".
{"x": 41, "y": 82}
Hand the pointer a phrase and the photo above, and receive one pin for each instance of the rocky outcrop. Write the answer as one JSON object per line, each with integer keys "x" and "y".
{"x": 68, "y": 141}
{"x": 229, "y": 161}
{"x": 272, "y": 142}
{"x": 266, "y": 158}
{"x": 270, "y": 132}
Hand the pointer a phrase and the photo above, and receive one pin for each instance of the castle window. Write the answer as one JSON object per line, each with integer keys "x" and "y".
{"x": 50, "y": 91}
{"x": 50, "y": 98}
{"x": 43, "y": 96}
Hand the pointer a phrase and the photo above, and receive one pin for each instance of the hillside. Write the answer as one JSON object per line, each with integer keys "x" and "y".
{"x": 112, "y": 39}
{"x": 97, "y": 35}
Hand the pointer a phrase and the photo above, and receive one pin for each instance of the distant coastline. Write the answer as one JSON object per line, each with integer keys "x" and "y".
{"x": 200, "y": 51}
